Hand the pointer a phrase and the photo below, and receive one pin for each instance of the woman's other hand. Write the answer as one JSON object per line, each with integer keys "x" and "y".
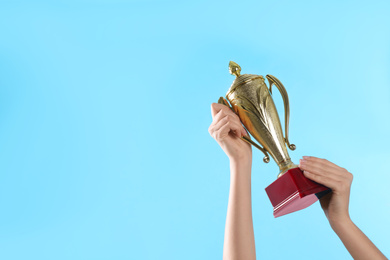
{"x": 335, "y": 206}
{"x": 336, "y": 203}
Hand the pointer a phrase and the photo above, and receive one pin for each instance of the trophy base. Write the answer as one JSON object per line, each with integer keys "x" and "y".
{"x": 293, "y": 191}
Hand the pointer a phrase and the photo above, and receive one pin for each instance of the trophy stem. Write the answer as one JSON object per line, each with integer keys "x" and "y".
{"x": 286, "y": 165}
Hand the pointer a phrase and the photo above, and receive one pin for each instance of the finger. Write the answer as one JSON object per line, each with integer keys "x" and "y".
{"x": 233, "y": 124}
{"x": 324, "y": 180}
{"x": 238, "y": 129}
{"x": 228, "y": 117}
{"x": 222, "y": 132}
{"x": 321, "y": 167}
{"x": 222, "y": 113}
{"x": 244, "y": 132}
{"x": 234, "y": 120}
{"x": 336, "y": 185}
{"x": 218, "y": 117}
{"x": 215, "y": 108}
{"x": 321, "y": 161}
{"x": 219, "y": 111}
{"x": 329, "y": 178}
{"x": 216, "y": 125}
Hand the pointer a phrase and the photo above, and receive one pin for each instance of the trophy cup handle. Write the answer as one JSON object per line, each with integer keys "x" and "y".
{"x": 247, "y": 139}
{"x": 274, "y": 81}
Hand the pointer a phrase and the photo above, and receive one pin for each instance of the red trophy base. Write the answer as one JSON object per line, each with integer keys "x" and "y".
{"x": 293, "y": 191}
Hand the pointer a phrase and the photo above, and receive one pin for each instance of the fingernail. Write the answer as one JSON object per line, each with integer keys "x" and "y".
{"x": 305, "y": 157}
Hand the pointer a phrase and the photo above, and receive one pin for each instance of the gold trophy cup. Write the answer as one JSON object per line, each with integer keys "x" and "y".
{"x": 251, "y": 100}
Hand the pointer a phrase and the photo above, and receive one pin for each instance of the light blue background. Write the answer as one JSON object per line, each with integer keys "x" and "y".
{"x": 104, "y": 115}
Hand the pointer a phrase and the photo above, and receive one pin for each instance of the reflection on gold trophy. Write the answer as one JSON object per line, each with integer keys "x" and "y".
{"x": 251, "y": 100}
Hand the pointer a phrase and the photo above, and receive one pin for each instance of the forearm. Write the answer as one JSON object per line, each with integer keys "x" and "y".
{"x": 239, "y": 240}
{"x": 357, "y": 243}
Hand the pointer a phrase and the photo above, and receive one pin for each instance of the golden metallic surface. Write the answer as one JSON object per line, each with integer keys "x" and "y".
{"x": 252, "y": 101}
{"x": 247, "y": 138}
{"x": 274, "y": 81}
{"x": 234, "y": 68}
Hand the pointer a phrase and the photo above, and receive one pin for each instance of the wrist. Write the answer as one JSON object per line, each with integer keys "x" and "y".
{"x": 241, "y": 166}
{"x": 241, "y": 158}
{"x": 241, "y": 162}
{"x": 340, "y": 222}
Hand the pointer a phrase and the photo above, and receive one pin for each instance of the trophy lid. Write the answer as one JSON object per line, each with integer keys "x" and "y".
{"x": 235, "y": 69}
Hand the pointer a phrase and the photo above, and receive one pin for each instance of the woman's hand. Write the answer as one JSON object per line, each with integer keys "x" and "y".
{"x": 227, "y": 130}
{"x": 334, "y": 204}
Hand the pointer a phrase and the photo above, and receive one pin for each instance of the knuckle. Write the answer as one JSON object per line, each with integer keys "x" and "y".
{"x": 211, "y": 129}
{"x": 231, "y": 118}
{"x": 225, "y": 119}
{"x": 222, "y": 112}
{"x": 342, "y": 186}
{"x": 218, "y": 136}
{"x": 234, "y": 114}
{"x": 309, "y": 164}
{"x": 235, "y": 118}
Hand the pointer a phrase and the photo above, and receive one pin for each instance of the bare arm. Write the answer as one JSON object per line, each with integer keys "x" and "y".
{"x": 226, "y": 129}
{"x": 356, "y": 242}
{"x": 335, "y": 206}
{"x": 239, "y": 236}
